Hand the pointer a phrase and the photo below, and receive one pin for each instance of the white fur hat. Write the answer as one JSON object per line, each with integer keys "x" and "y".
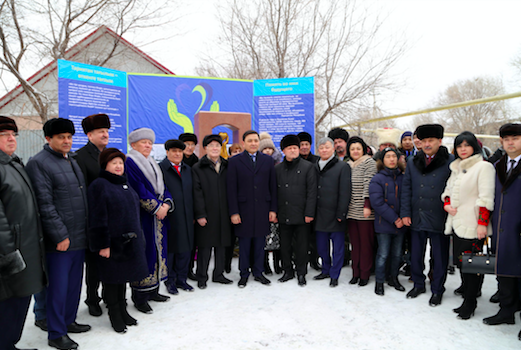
{"x": 389, "y": 135}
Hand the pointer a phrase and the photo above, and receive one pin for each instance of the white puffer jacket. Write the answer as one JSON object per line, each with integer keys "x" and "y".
{"x": 470, "y": 186}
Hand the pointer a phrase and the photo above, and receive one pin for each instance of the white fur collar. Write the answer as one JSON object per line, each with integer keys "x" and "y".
{"x": 460, "y": 165}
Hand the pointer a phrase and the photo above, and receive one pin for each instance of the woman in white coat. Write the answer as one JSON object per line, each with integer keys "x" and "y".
{"x": 468, "y": 198}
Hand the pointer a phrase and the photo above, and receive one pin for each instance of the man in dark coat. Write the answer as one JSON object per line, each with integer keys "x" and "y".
{"x": 96, "y": 127}
{"x": 22, "y": 264}
{"x": 213, "y": 227}
{"x": 297, "y": 198}
{"x": 252, "y": 201}
{"x": 190, "y": 141}
{"x": 422, "y": 210}
{"x": 506, "y": 226}
{"x": 333, "y": 197}
{"x": 178, "y": 180}
{"x": 62, "y": 200}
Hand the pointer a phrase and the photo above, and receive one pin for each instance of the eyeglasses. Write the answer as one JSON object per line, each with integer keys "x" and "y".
{"x": 8, "y": 134}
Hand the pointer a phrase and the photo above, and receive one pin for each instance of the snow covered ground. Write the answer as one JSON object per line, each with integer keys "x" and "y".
{"x": 286, "y": 316}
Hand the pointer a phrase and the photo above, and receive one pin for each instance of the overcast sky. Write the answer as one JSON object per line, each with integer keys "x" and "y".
{"x": 450, "y": 40}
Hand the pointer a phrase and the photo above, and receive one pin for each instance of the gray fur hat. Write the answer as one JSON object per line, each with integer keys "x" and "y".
{"x": 140, "y": 134}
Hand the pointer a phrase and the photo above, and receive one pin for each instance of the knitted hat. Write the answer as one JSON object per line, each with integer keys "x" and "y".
{"x": 210, "y": 138}
{"x": 188, "y": 136}
{"x": 265, "y": 141}
{"x": 175, "y": 144}
{"x": 140, "y": 134}
{"x": 7, "y": 123}
{"x": 338, "y": 133}
{"x": 304, "y": 136}
{"x": 95, "y": 121}
{"x": 510, "y": 129}
{"x": 388, "y": 135}
{"x": 108, "y": 154}
{"x": 58, "y": 126}
{"x": 356, "y": 139}
{"x": 289, "y": 140}
{"x": 406, "y": 134}
{"x": 388, "y": 149}
{"x": 429, "y": 130}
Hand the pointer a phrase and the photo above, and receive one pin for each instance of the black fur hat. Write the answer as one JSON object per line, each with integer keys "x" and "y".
{"x": 338, "y": 133}
{"x": 108, "y": 154}
{"x": 289, "y": 140}
{"x": 510, "y": 129}
{"x": 58, "y": 126}
{"x": 188, "y": 136}
{"x": 95, "y": 121}
{"x": 304, "y": 136}
{"x": 7, "y": 123}
{"x": 213, "y": 137}
{"x": 430, "y": 130}
{"x": 174, "y": 144}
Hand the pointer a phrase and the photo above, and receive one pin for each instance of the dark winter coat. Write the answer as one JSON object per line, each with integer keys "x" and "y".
{"x": 22, "y": 258}
{"x": 384, "y": 192}
{"x": 62, "y": 198}
{"x": 311, "y": 158}
{"x": 211, "y": 203}
{"x": 252, "y": 193}
{"x": 333, "y": 196}
{"x": 297, "y": 191}
{"x": 113, "y": 212}
{"x": 88, "y": 161}
{"x": 190, "y": 161}
{"x": 506, "y": 221}
{"x": 422, "y": 189}
{"x": 181, "y": 232}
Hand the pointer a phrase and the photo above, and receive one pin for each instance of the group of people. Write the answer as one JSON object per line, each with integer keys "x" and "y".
{"x": 132, "y": 220}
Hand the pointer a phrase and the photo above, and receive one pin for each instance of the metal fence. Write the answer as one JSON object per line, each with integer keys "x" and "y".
{"x": 29, "y": 142}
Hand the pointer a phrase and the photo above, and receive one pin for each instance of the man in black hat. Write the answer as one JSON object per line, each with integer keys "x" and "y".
{"x": 190, "y": 141}
{"x": 297, "y": 197}
{"x": 22, "y": 253}
{"x": 422, "y": 210}
{"x": 506, "y": 222}
{"x": 305, "y": 147}
{"x": 62, "y": 199}
{"x": 340, "y": 138}
{"x": 96, "y": 127}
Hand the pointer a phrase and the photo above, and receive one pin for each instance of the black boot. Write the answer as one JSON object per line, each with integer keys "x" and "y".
{"x": 129, "y": 320}
{"x": 116, "y": 319}
{"x": 277, "y": 262}
{"x": 267, "y": 268}
{"x": 472, "y": 284}
{"x": 379, "y": 289}
{"x": 396, "y": 284}
{"x": 466, "y": 310}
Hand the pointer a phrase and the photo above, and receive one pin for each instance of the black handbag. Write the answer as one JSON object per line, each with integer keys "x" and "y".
{"x": 479, "y": 263}
{"x": 122, "y": 248}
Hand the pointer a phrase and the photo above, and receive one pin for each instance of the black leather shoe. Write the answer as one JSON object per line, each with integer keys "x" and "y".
{"x": 160, "y": 298}
{"x": 333, "y": 283}
{"x": 78, "y": 328}
{"x": 171, "y": 289}
{"x": 413, "y": 293}
{"x": 144, "y": 308}
{"x": 435, "y": 300}
{"x": 201, "y": 284}
{"x": 286, "y": 277}
{"x": 42, "y": 324}
{"x": 184, "y": 286}
{"x": 222, "y": 280}
{"x": 379, "y": 289}
{"x": 262, "y": 280}
{"x": 228, "y": 269}
{"x": 94, "y": 309}
{"x": 63, "y": 343}
{"x": 322, "y": 276}
{"x": 302, "y": 281}
{"x": 495, "y": 298}
{"x": 397, "y": 285}
{"x": 354, "y": 280}
{"x": 242, "y": 282}
{"x": 498, "y": 319}
{"x": 363, "y": 283}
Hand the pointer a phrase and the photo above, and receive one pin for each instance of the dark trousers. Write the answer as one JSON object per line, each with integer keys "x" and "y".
{"x": 509, "y": 295}
{"x": 178, "y": 265}
{"x": 251, "y": 246}
{"x": 229, "y": 252}
{"x": 92, "y": 281}
{"x": 13, "y": 312}
{"x": 294, "y": 239}
{"x": 361, "y": 234}
{"x": 440, "y": 259}
{"x": 332, "y": 268}
{"x": 388, "y": 245}
{"x": 203, "y": 261}
{"x": 40, "y": 305}
{"x": 65, "y": 273}
{"x": 115, "y": 294}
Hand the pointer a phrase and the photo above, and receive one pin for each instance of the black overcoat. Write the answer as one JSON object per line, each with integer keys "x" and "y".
{"x": 88, "y": 161}
{"x": 114, "y": 211}
{"x": 181, "y": 232}
{"x": 252, "y": 193}
{"x": 210, "y": 202}
{"x": 297, "y": 191}
{"x": 333, "y": 196}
